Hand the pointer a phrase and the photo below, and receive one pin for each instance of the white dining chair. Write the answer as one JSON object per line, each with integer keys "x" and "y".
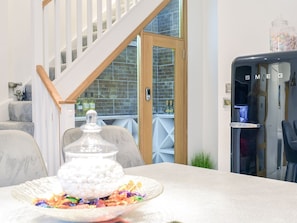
{"x": 20, "y": 158}
{"x": 128, "y": 155}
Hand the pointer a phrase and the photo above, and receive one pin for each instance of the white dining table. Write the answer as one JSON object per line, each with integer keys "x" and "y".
{"x": 191, "y": 195}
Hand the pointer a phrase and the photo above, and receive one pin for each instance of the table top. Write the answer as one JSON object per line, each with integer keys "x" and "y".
{"x": 192, "y": 194}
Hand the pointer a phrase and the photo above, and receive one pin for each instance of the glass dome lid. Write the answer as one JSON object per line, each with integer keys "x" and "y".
{"x": 90, "y": 144}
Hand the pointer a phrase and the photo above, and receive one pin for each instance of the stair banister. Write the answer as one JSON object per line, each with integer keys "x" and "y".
{"x": 52, "y": 115}
{"x": 49, "y": 86}
{"x": 87, "y": 68}
{"x": 58, "y": 22}
{"x": 45, "y": 2}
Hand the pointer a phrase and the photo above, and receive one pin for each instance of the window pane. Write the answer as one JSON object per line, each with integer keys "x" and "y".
{"x": 163, "y": 104}
{"x": 114, "y": 92}
{"x": 168, "y": 21}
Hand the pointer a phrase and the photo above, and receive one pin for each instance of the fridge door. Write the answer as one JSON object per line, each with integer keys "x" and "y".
{"x": 241, "y": 157}
{"x": 262, "y": 96}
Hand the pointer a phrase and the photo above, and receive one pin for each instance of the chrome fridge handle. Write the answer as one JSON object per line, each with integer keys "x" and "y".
{"x": 243, "y": 125}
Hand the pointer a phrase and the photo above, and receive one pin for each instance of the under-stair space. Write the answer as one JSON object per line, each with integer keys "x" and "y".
{"x": 20, "y": 113}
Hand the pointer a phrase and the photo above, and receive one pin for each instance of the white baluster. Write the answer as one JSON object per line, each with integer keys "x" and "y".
{"x": 68, "y": 33}
{"x": 57, "y": 39}
{"x": 79, "y": 27}
{"x": 108, "y": 14}
{"x": 89, "y": 23}
{"x": 99, "y": 18}
{"x": 46, "y": 39}
{"x": 127, "y": 5}
{"x": 118, "y": 10}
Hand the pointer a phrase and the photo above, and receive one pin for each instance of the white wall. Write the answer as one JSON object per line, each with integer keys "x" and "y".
{"x": 4, "y": 61}
{"x": 202, "y": 78}
{"x": 195, "y": 68}
{"x": 243, "y": 28}
{"x": 16, "y": 54}
{"x": 20, "y": 40}
{"x": 3, "y": 52}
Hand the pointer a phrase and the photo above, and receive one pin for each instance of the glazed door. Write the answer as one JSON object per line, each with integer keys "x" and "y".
{"x": 162, "y": 99}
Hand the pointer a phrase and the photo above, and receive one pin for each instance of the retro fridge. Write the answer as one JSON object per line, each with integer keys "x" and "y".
{"x": 264, "y": 93}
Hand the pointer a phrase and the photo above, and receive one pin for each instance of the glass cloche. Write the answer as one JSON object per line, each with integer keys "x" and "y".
{"x": 90, "y": 143}
{"x": 90, "y": 169}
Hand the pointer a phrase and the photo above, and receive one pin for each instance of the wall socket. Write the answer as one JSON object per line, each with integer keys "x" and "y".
{"x": 228, "y": 87}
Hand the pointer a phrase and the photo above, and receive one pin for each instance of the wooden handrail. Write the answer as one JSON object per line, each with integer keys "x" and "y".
{"x": 45, "y": 2}
{"x": 51, "y": 88}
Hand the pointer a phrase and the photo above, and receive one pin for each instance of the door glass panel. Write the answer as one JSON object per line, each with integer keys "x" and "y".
{"x": 163, "y": 104}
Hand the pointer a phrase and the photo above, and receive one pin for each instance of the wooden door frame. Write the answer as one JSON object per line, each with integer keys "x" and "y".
{"x": 147, "y": 41}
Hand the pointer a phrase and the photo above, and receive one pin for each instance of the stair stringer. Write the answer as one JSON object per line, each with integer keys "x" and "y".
{"x": 83, "y": 67}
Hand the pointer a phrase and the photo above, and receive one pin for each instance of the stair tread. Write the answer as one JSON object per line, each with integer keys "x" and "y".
{"x": 20, "y": 111}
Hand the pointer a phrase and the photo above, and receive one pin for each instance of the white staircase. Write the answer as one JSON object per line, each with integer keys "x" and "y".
{"x": 117, "y": 22}
{"x": 97, "y": 56}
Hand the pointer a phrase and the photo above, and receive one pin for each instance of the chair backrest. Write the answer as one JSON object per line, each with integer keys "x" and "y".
{"x": 20, "y": 158}
{"x": 128, "y": 155}
{"x": 295, "y": 126}
{"x": 290, "y": 141}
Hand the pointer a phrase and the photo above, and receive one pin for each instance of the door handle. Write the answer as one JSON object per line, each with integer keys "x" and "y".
{"x": 243, "y": 125}
{"x": 147, "y": 93}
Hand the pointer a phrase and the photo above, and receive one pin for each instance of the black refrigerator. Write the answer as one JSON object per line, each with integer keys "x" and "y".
{"x": 263, "y": 93}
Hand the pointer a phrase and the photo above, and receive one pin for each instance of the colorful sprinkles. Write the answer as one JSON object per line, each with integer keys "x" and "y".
{"x": 126, "y": 194}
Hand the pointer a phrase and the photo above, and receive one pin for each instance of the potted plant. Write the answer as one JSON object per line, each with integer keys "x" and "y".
{"x": 202, "y": 160}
